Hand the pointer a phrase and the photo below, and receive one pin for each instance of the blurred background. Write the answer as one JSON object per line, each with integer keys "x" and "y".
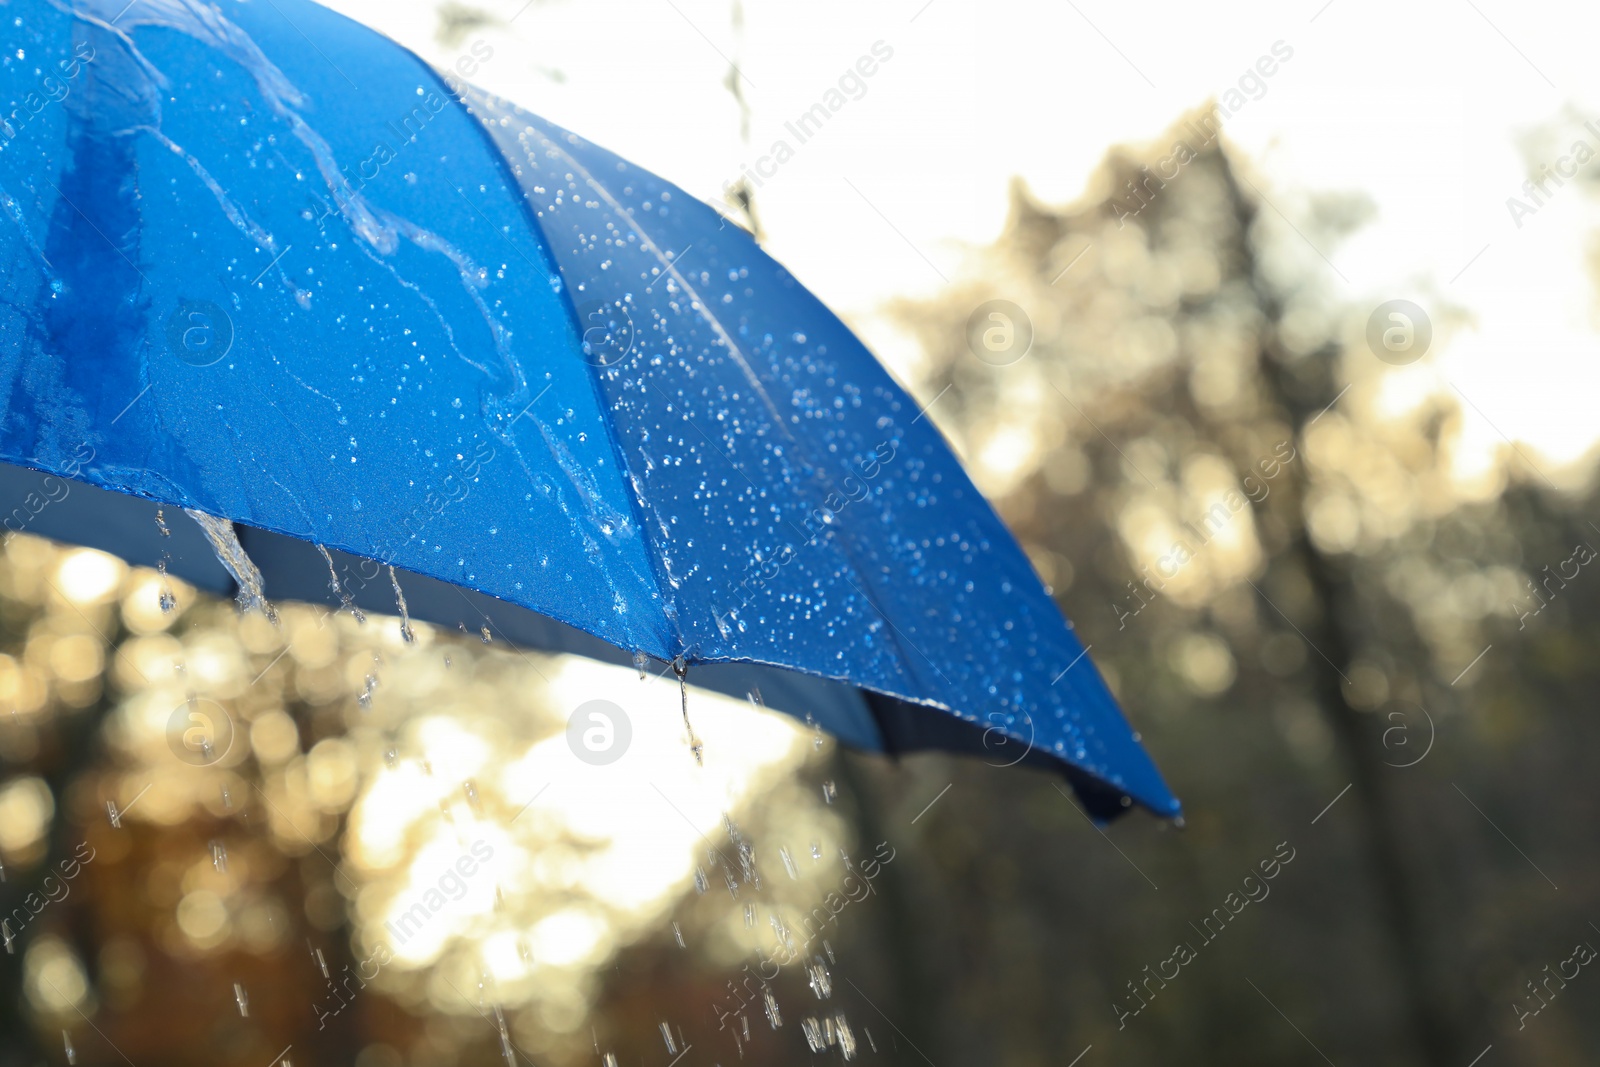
{"x": 1312, "y": 555}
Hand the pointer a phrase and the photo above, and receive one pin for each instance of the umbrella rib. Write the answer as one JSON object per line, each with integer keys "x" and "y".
{"x": 897, "y": 630}
{"x": 734, "y": 352}
{"x": 97, "y": 229}
{"x": 648, "y": 244}
{"x": 810, "y": 539}
{"x": 497, "y": 230}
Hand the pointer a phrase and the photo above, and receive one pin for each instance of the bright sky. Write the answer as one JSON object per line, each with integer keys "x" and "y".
{"x": 1425, "y": 108}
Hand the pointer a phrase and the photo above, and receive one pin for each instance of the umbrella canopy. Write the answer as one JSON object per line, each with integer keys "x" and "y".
{"x": 265, "y": 265}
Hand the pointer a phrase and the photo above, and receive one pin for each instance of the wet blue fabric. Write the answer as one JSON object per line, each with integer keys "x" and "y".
{"x": 262, "y": 263}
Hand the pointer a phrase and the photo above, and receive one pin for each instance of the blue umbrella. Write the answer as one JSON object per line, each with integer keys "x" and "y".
{"x": 429, "y": 350}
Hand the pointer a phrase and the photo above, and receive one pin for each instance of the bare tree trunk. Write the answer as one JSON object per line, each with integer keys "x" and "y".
{"x": 1333, "y": 627}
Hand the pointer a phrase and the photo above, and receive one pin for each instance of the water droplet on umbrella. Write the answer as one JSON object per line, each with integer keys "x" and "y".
{"x": 788, "y": 862}
{"x": 405, "y": 614}
{"x": 241, "y": 998}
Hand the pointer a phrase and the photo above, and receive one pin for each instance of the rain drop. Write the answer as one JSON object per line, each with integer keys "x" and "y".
{"x": 788, "y": 862}
{"x": 167, "y": 598}
{"x": 770, "y": 1004}
{"x": 681, "y": 669}
{"x": 231, "y": 554}
{"x": 846, "y": 1039}
{"x": 750, "y": 913}
{"x": 219, "y": 855}
{"x": 609, "y": 1060}
{"x": 818, "y": 979}
{"x": 72, "y": 1053}
{"x": 505, "y": 1037}
{"x": 829, "y": 791}
{"x": 5, "y": 932}
{"x": 114, "y": 814}
{"x": 484, "y": 636}
{"x": 405, "y": 614}
{"x": 677, "y": 935}
{"x": 641, "y": 661}
{"x": 345, "y": 600}
{"x": 391, "y": 757}
{"x": 241, "y": 998}
{"x": 700, "y": 883}
{"x": 666, "y": 1035}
